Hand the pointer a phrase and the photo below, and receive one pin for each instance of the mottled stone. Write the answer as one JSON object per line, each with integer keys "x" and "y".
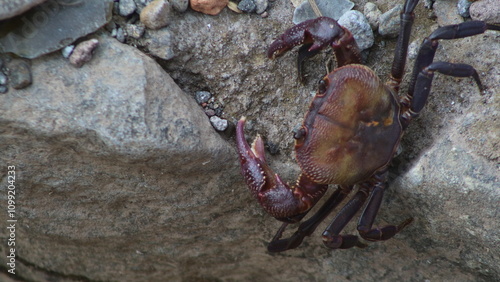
{"x": 126, "y": 7}
{"x": 52, "y": 26}
{"x": 260, "y": 6}
{"x": 157, "y": 14}
{"x": 180, "y": 5}
{"x": 11, "y": 8}
{"x": 83, "y": 52}
{"x": 486, "y": 10}
{"x": 209, "y": 7}
{"x": 247, "y": 6}
{"x": 160, "y": 43}
{"x": 19, "y": 74}
{"x": 328, "y": 8}
{"x": 218, "y": 123}
{"x": 389, "y": 22}
{"x": 463, "y": 8}
{"x": 358, "y": 25}
{"x": 372, "y": 14}
{"x": 202, "y": 96}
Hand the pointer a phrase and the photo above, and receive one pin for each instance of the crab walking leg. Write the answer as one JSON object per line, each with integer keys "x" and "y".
{"x": 370, "y": 212}
{"x": 401, "y": 51}
{"x": 307, "y": 227}
{"x": 331, "y": 237}
{"x": 288, "y": 204}
{"x": 430, "y": 44}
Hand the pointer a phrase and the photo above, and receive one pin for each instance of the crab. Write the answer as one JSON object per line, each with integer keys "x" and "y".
{"x": 350, "y": 133}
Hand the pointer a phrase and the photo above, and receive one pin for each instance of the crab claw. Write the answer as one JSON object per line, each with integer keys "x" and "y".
{"x": 285, "y": 203}
{"x": 315, "y": 35}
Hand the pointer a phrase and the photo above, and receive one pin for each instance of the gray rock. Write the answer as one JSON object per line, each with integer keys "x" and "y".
{"x": 19, "y": 74}
{"x": 390, "y": 22}
{"x": 260, "y": 6}
{"x": 446, "y": 12}
{"x": 358, "y": 25}
{"x": 485, "y": 10}
{"x": 157, "y": 14}
{"x": 247, "y": 6}
{"x": 52, "y": 26}
{"x": 202, "y": 96}
{"x": 11, "y": 8}
{"x": 160, "y": 43}
{"x": 463, "y": 8}
{"x": 372, "y": 14}
{"x": 218, "y": 123}
{"x": 329, "y": 8}
{"x": 126, "y": 7}
{"x": 66, "y": 51}
{"x": 180, "y": 5}
{"x": 135, "y": 30}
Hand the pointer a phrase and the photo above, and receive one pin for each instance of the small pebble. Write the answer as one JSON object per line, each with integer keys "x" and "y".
{"x": 3, "y": 89}
{"x": 3, "y": 79}
{"x": 156, "y": 14}
{"x": 358, "y": 25}
{"x": 119, "y": 34}
{"x": 209, "y": 112}
{"x": 413, "y": 49}
{"x": 247, "y": 6}
{"x": 209, "y": 7}
{"x": 83, "y": 52}
{"x": 389, "y": 22}
{"x": 218, "y": 123}
{"x": 126, "y": 7}
{"x": 485, "y": 10}
{"x": 202, "y": 96}
{"x": 372, "y": 14}
{"x": 19, "y": 74}
{"x": 66, "y": 51}
{"x": 180, "y": 5}
{"x": 260, "y": 6}
{"x": 428, "y": 4}
{"x": 463, "y": 8}
{"x": 135, "y": 30}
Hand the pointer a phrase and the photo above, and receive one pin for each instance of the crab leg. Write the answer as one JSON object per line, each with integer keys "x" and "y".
{"x": 307, "y": 227}
{"x": 398, "y": 65}
{"x": 288, "y": 204}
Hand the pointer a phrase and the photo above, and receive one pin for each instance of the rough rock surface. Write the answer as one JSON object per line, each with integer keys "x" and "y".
{"x": 11, "y": 8}
{"x": 125, "y": 168}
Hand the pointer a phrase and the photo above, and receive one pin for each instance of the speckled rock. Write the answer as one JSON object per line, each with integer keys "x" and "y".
{"x": 486, "y": 10}
{"x": 328, "y": 8}
{"x": 126, "y": 7}
{"x": 209, "y": 7}
{"x": 11, "y": 8}
{"x": 157, "y": 14}
{"x": 160, "y": 43}
{"x": 19, "y": 74}
{"x": 463, "y": 8}
{"x": 372, "y": 14}
{"x": 34, "y": 34}
{"x": 247, "y": 6}
{"x": 446, "y": 12}
{"x": 83, "y": 52}
{"x": 358, "y": 25}
{"x": 389, "y": 22}
{"x": 179, "y": 5}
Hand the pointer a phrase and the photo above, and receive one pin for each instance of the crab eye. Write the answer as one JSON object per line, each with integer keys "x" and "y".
{"x": 322, "y": 86}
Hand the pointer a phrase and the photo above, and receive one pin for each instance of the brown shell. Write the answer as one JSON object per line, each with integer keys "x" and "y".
{"x": 351, "y": 130}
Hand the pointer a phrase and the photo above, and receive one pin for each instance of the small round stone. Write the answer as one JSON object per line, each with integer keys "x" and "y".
{"x": 126, "y": 7}
{"x": 218, "y": 123}
{"x": 66, "y": 51}
{"x": 202, "y": 96}
{"x": 19, "y": 74}
{"x": 247, "y": 6}
{"x": 156, "y": 14}
{"x": 357, "y": 23}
